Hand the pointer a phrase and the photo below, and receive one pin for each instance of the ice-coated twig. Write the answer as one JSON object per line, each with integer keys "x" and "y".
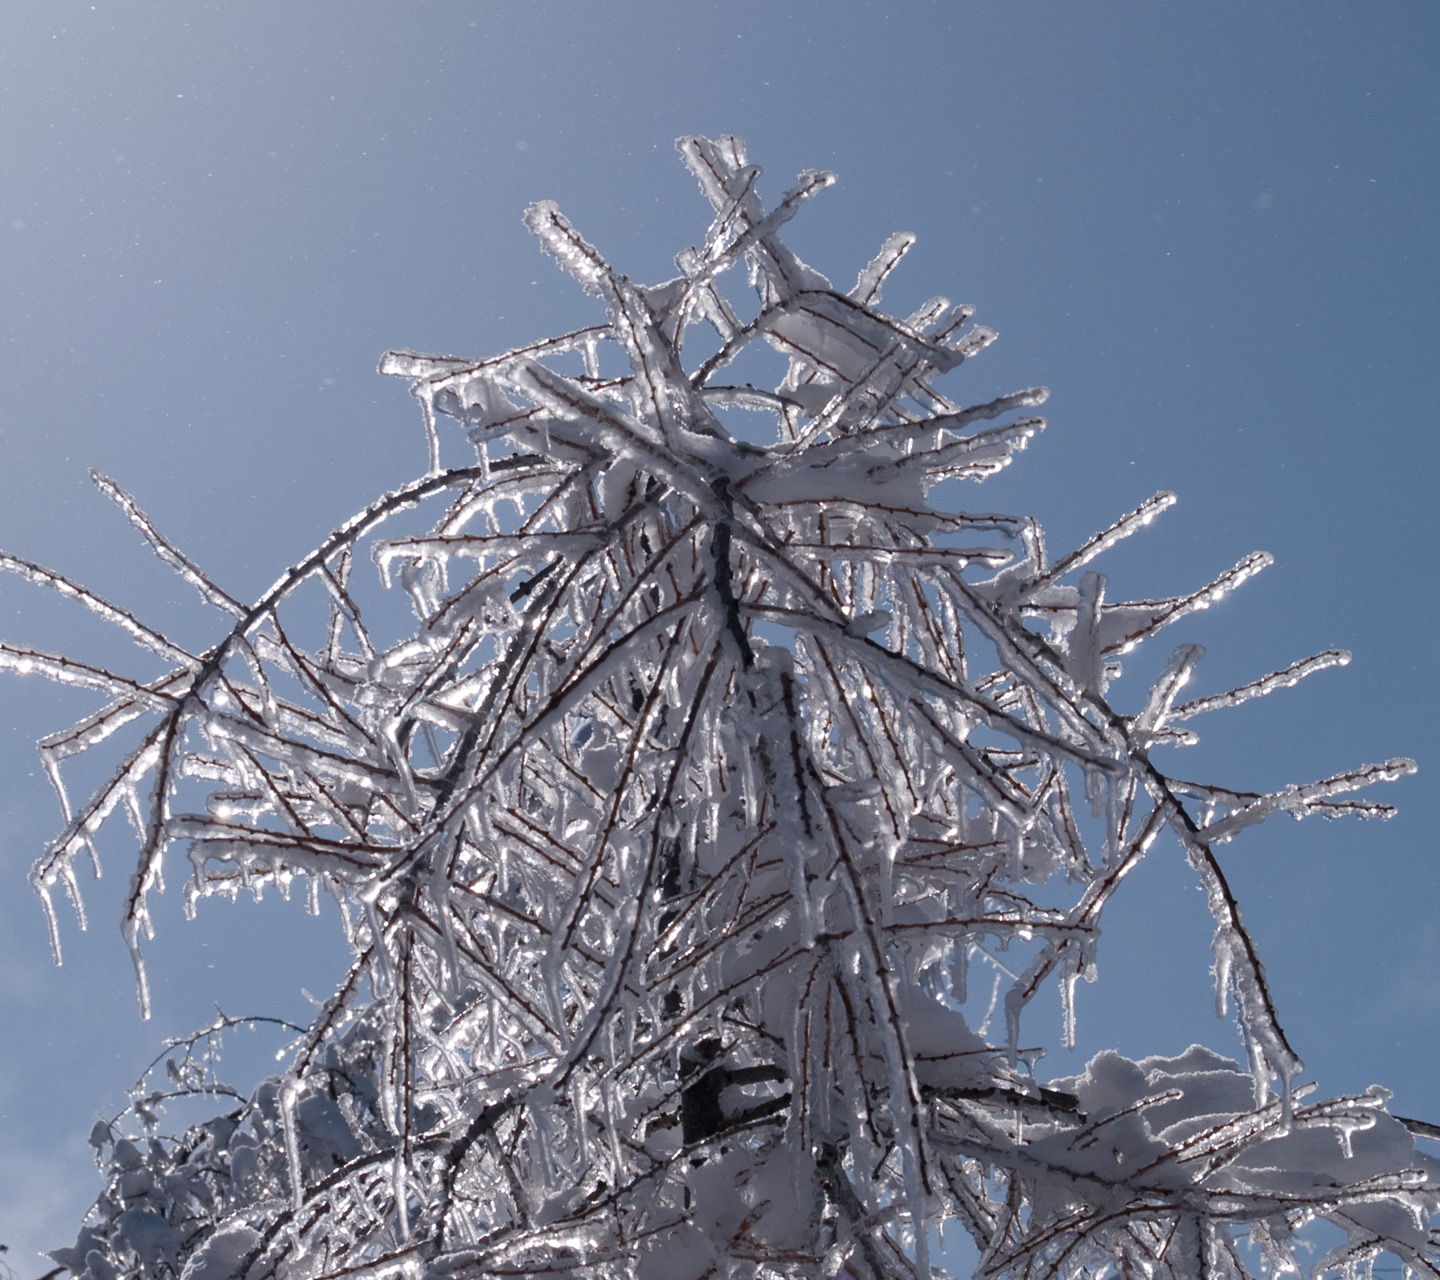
{"x": 1300, "y": 800}
{"x": 1104, "y": 540}
{"x": 166, "y": 550}
{"x": 1285, "y": 678}
{"x": 121, "y": 618}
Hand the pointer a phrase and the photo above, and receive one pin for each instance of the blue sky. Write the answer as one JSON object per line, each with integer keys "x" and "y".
{"x": 1208, "y": 228}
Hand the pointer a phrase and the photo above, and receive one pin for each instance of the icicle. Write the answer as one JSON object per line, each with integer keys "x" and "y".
{"x": 580, "y": 1120}
{"x": 72, "y": 888}
{"x": 289, "y": 1094}
{"x": 52, "y": 925}
{"x": 795, "y": 852}
{"x": 400, "y": 1189}
{"x": 960, "y": 970}
{"x": 425, "y": 394}
{"x": 142, "y": 981}
{"x": 1223, "y": 974}
{"x": 610, "y": 1102}
{"x": 1068, "y": 978}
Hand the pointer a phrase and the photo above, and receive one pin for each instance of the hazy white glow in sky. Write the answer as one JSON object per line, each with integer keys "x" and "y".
{"x": 1208, "y": 228}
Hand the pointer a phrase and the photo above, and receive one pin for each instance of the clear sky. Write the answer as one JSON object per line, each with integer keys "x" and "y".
{"x": 1210, "y": 228}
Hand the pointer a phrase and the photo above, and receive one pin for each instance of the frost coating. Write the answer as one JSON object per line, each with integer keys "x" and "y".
{"x": 680, "y": 794}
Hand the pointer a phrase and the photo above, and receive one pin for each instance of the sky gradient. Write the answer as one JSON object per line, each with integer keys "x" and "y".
{"x": 1209, "y": 229}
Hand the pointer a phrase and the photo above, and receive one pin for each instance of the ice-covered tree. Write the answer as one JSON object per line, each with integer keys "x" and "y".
{"x": 675, "y": 790}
